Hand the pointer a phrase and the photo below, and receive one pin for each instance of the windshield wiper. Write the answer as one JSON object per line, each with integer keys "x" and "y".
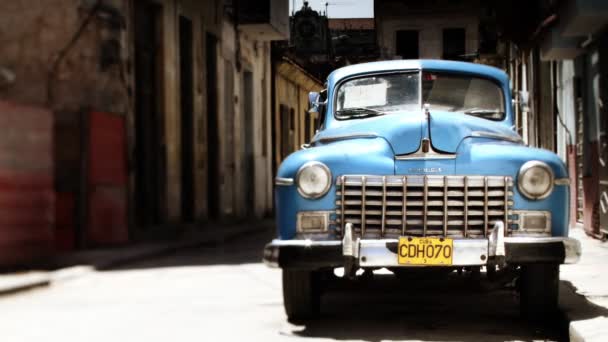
{"x": 481, "y": 111}
{"x": 358, "y": 112}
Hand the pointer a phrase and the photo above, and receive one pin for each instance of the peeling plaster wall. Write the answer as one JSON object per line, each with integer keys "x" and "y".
{"x": 65, "y": 69}
{"x": 33, "y": 37}
{"x": 69, "y": 61}
{"x": 253, "y": 56}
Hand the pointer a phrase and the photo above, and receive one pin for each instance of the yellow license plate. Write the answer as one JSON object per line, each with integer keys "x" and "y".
{"x": 425, "y": 251}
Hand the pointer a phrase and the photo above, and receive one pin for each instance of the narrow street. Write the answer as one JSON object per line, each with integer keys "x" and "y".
{"x": 224, "y": 293}
{"x": 148, "y": 147}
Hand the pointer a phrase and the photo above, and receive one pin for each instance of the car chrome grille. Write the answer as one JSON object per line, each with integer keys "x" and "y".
{"x": 449, "y": 206}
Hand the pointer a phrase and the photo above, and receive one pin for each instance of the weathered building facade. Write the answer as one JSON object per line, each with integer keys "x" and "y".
{"x": 558, "y": 58}
{"x": 556, "y": 54}
{"x": 159, "y": 112}
{"x": 422, "y": 29}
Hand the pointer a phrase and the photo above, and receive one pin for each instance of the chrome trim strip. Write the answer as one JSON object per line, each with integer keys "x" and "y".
{"x": 404, "y": 206}
{"x": 420, "y": 154}
{"x": 280, "y": 181}
{"x": 497, "y": 240}
{"x": 306, "y": 243}
{"x": 506, "y": 219}
{"x": 424, "y": 156}
{"x": 562, "y": 181}
{"x": 523, "y": 239}
{"x": 347, "y": 241}
{"x": 425, "y": 203}
{"x": 382, "y": 226}
{"x": 363, "y": 183}
{"x": 485, "y": 206}
{"x": 466, "y": 206}
{"x": 342, "y": 205}
{"x": 445, "y": 206}
{"x": 492, "y": 135}
{"x": 344, "y": 136}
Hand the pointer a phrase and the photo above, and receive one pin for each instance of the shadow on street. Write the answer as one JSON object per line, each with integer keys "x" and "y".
{"x": 448, "y": 307}
{"x": 432, "y": 310}
{"x": 245, "y": 249}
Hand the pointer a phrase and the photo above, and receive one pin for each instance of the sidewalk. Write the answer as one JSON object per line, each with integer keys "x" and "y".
{"x": 71, "y": 265}
{"x": 584, "y": 290}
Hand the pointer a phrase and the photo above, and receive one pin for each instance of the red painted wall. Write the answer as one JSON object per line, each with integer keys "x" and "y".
{"x": 107, "y": 179}
{"x": 65, "y": 221}
{"x": 27, "y": 213}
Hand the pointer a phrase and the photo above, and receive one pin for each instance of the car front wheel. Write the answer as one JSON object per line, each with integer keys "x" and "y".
{"x": 301, "y": 294}
{"x": 539, "y": 289}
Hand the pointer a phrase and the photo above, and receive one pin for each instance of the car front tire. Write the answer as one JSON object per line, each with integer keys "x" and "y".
{"x": 301, "y": 294}
{"x": 539, "y": 291}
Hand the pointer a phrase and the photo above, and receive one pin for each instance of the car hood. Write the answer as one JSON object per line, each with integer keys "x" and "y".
{"x": 448, "y": 129}
{"x": 405, "y": 131}
{"x": 402, "y": 131}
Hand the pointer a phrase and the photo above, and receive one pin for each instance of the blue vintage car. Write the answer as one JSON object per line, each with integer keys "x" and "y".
{"x": 417, "y": 163}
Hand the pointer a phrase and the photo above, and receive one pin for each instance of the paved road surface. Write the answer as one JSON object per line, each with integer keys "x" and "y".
{"x": 223, "y": 293}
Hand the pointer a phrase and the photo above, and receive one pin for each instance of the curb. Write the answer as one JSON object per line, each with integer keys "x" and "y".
{"x": 12, "y": 284}
{"x": 584, "y": 320}
{"x": 20, "y": 283}
{"x": 154, "y": 251}
{"x": 589, "y": 330}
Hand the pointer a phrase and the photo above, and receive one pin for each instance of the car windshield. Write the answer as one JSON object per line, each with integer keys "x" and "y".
{"x": 397, "y": 93}
{"x": 464, "y": 94}
{"x": 378, "y": 95}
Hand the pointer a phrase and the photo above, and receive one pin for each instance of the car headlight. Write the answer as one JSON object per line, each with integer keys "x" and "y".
{"x": 313, "y": 180}
{"x": 535, "y": 180}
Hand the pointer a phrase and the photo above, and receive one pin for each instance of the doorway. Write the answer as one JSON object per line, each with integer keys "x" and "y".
{"x": 248, "y": 153}
{"x": 187, "y": 118}
{"x": 226, "y": 178}
{"x": 213, "y": 140}
{"x": 149, "y": 137}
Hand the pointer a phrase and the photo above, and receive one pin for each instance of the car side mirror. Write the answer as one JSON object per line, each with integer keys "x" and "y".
{"x": 313, "y": 102}
{"x": 318, "y": 105}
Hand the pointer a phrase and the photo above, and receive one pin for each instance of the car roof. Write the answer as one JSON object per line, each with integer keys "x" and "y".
{"x": 417, "y": 64}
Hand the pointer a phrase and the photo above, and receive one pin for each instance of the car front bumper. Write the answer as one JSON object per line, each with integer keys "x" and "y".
{"x": 313, "y": 254}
